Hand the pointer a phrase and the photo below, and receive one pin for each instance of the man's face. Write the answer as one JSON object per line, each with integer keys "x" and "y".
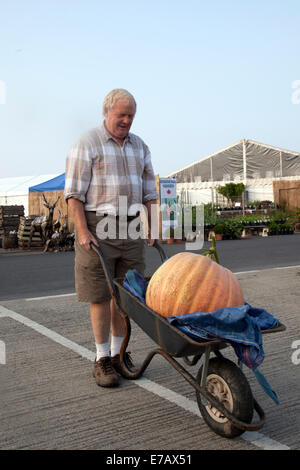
{"x": 119, "y": 119}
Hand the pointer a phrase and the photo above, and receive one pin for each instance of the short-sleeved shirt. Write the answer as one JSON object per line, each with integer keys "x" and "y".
{"x": 99, "y": 170}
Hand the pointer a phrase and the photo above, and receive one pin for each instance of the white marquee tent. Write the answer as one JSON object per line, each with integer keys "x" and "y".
{"x": 255, "y": 164}
{"x": 14, "y": 190}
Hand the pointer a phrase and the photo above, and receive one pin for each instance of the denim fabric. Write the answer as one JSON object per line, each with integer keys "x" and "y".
{"x": 240, "y": 326}
{"x": 136, "y": 284}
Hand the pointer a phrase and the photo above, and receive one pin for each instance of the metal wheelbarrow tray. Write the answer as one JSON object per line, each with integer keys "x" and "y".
{"x": 223, "y": 393}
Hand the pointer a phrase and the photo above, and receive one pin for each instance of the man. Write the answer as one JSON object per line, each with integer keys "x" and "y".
{"x": 106, "y": 163}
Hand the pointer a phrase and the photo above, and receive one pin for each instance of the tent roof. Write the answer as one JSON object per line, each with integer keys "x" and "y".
{"x": 19, "y": 185}
{"x": 236, "y": 144}
{"x": 54, "y": 184}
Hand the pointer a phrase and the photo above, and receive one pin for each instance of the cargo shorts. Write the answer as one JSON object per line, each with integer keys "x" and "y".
{"x": 120, "y": 254}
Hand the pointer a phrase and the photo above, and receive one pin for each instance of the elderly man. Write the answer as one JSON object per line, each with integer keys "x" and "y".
{"x": 104, "y": 164}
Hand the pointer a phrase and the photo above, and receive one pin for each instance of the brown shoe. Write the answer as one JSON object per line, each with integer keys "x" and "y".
{"x": 104, "y": 373}
{"x": 117, "y": 364}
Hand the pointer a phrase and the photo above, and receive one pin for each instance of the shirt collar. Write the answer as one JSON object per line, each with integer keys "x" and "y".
{"x": 107, "y": 135}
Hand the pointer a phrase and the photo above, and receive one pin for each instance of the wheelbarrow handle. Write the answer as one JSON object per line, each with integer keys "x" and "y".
{"x": 160, "y": 250}
{"x": 108, "y": 276}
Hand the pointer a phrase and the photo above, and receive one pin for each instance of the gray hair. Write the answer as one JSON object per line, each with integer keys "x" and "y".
{"x": 113, "y": 96}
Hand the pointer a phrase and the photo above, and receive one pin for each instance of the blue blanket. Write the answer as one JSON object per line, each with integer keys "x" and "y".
{"x": 240, "y": 326}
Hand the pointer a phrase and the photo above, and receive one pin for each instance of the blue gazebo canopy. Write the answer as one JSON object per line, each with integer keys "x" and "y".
{"x": 55, "y": 184}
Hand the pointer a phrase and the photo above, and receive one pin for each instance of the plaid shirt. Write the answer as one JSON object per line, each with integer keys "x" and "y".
{"x": 99, "y": 170}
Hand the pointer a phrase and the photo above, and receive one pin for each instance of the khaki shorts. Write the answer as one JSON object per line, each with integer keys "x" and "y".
{"x": 121, "y": 255}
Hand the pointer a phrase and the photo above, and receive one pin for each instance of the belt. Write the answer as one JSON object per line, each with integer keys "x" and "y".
{"x": 129, "y": 217}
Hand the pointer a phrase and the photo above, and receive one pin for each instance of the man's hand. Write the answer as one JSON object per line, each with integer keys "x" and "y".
{"x": 152, "y": 213}
{"x": 150, "y": 241}
{"x": 85, "y": 238}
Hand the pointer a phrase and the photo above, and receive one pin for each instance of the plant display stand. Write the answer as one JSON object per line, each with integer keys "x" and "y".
{"x": 255, "y": 231}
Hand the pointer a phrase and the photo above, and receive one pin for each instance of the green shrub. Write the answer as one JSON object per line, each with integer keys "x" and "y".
{"x": 231, "y": 190}
{"x": 233, "y": 228}
{"x": 219, "y": 228}
{"x": 210, "y": 215}
{"x": 287, "y": 226}
{"x": 273, "y": 227}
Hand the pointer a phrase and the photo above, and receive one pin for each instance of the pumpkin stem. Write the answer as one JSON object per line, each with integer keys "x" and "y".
{"x": 212, "y": 251}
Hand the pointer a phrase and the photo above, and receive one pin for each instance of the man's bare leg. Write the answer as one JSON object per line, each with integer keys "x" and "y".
{"x": 101, "y": 318}
{"x": 118, "y": 333}
{"x": 117, "y": 322}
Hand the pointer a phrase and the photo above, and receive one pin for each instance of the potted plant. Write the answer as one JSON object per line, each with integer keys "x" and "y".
{"x": 233, "y": 229}
{"x": 219, "y": 231}
{"x": 287, "y": 227}
{"x": 273, "y": 228}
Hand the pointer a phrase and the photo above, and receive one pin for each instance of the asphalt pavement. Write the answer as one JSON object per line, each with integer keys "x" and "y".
{"x": 37, "y": 274}
{"x": 49, "y": 399}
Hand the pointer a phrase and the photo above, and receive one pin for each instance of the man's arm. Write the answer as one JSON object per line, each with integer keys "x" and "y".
{"x": 76, "y": 209}
{"x": 152, "y": 212}
{"x": 150, "y": 197}
{"x": 77, "y": 180}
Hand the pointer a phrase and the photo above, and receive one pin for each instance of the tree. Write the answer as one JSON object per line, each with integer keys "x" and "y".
{"x": 231, "y": 191}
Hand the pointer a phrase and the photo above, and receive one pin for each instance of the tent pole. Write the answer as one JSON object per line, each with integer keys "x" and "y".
{"x": 280, "y": 160}
{"x": 244, "y": 161}
{"x": 244, "y": 173}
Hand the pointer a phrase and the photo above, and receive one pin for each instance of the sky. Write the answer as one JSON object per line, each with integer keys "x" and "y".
{"x": 204, "y": 75}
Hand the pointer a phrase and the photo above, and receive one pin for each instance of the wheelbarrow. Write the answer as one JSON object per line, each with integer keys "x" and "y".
{"x": 224, "y": 396}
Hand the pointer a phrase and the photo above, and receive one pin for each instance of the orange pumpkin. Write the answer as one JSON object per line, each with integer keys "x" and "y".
{"x": 188, "y": 283}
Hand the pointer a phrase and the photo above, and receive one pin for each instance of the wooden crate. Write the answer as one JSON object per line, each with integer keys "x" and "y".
{"x": 24, "y": 233}
{"x": 9, "y": 219}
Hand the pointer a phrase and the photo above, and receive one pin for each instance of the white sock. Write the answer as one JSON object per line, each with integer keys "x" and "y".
{"x": 102, "y": 350}
{"x": 115, "y": 346}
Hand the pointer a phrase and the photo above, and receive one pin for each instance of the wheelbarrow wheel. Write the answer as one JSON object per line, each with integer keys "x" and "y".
{"x": 227, "y": 383}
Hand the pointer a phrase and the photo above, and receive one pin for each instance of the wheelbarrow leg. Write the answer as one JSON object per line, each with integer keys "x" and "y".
{"x": 204, "y": 372}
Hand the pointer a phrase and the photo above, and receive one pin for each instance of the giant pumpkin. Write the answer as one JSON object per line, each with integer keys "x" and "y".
{"x": 188, "y": 283}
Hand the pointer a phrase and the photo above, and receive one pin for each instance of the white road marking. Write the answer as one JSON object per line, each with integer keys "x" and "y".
{"x": 266, "y": 269}
{"x": 173, "y": 397}
{"x": 47, "y": 332}
{"x": 256, "y": 438}
{"x": 50, "y": 296}
{"x": 287, "y": 267}
{"x": 260, "y": 440}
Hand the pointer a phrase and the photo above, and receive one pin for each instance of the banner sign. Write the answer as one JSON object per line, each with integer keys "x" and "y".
{"x": 168, "y": 205}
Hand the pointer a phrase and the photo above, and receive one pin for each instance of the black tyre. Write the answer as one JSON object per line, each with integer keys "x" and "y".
{"x": 227, "y": 383}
